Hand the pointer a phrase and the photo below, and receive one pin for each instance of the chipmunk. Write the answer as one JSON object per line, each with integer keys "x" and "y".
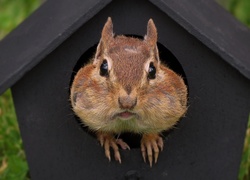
{"x": 125, "y": 88}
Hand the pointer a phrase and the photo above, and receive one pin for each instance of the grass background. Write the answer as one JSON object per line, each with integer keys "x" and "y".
{"x": 13, "y": 163}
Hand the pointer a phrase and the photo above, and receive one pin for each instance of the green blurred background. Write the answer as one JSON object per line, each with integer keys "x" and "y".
{"x": 13, "y": 163}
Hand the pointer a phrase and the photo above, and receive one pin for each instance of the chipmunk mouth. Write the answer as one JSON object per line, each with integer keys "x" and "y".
{"x": 125, "y": 115}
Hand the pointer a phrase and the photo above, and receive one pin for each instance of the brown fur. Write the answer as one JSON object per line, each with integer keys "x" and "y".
{"x": 157, "y": 104}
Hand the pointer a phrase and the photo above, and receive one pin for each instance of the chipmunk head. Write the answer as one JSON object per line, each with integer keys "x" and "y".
{"x": 126, "y": 88}
{"x": 127, "y": 63}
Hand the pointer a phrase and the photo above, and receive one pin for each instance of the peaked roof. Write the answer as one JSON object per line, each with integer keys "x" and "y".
{"x": 56, "y": 20}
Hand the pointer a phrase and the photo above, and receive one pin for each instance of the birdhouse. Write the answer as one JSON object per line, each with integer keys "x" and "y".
{"x": 199, "y": 40}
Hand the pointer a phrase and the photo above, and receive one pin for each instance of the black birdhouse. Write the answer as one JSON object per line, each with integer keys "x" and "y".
{"x": 199, "y": 40}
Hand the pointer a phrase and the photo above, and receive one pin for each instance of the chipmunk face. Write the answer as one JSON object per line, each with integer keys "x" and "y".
{"x": 128, "y": 65}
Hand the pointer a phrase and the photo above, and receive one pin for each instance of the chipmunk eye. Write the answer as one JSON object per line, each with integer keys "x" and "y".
{"x": 151, "y": 71}
{"x": 104, "y": 68}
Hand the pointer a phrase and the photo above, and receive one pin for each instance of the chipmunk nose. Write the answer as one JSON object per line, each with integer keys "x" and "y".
{"x": 127, "y": 102}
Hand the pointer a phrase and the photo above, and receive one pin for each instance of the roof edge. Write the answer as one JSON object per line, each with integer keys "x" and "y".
{"x": 45, "y": 31}
{"x": 220, "y": 32}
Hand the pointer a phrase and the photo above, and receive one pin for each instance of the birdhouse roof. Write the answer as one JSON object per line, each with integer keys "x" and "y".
{"x": 56, "y": 20}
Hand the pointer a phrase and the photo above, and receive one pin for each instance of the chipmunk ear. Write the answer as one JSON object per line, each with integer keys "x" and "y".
{"x": 151, "y": 39}
{"x": 107, "y": 35}
{"x": 151, "y": 36}
{"x": 107, "y": 31}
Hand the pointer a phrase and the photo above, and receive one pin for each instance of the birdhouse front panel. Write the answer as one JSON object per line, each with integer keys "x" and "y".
{"x": 206, "y": 142}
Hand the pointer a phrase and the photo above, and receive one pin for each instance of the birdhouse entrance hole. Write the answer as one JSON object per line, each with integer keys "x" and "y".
{"x": 133, "y": 140}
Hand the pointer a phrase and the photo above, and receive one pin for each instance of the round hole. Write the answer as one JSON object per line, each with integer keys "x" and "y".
{"x": 133, "y": 140}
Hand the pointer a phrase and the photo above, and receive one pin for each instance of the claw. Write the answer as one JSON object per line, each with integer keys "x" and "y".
{"x": 107, "y": 150}
{"x": 150, "y": 160}
{"x": 156, "y": 157}
{"x": 116, "y": 151}
{"x": 122, "y": 144}
{"x": 143, "y": 151}
{"x": 150, "y": 145}
{"x": 107, "y": 141}
{"x": 160, "y": 143}
{"x": 101, "y": 140}
{"x": 118, "y": 157}
{"x": 156, "y": 151}
{"x": 149, "y": 152}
